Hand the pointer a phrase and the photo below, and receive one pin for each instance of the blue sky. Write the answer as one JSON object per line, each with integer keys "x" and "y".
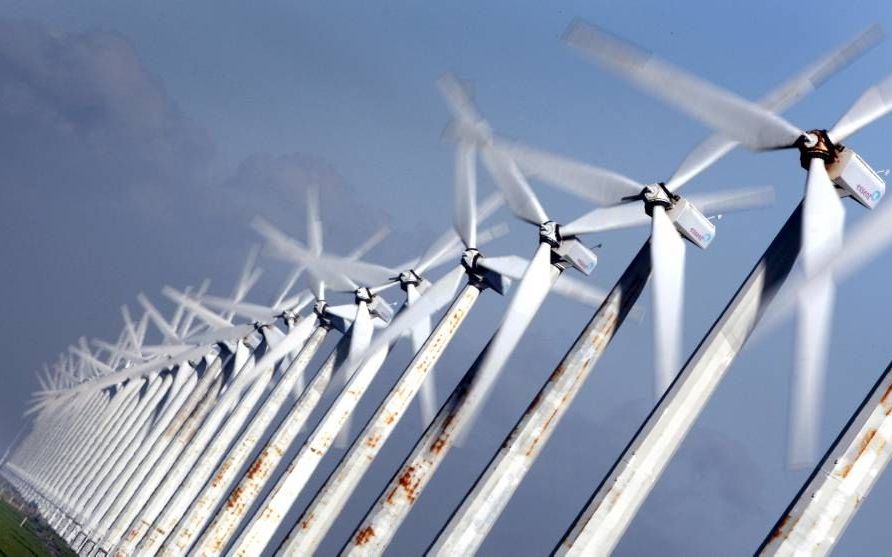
{"x": 190, "y": 119}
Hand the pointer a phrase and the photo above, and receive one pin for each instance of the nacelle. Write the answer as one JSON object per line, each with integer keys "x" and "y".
{"x": 691, "y": 223}
{"x": 573, "y": 253}
{"x": 857, "y": 178}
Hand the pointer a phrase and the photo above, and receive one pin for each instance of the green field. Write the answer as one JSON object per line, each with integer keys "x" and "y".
{"x": 16, "y": 541}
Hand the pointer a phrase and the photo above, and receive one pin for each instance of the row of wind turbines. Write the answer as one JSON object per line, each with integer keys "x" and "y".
{"x": 203, "y": 443}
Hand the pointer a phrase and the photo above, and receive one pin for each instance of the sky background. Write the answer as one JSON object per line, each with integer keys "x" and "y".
{"x": 137, "y": 140}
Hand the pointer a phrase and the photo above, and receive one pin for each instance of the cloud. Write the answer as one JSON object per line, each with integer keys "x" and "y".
{"x": 109, "y": 188}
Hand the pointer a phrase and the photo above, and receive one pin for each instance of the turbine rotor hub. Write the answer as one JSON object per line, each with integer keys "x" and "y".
{"x": 816, "y": 143}
{"x": 409, "y": 277}
{"x": 658, "y": 195}
{"x": 550, "y": 233}
{"x": 363, "y": 294}
{"x": 469, "y": 260}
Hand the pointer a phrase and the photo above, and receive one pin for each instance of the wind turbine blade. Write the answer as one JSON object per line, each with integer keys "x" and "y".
{"x": 128, "y": 325}
{"x": 514, "y": 187}
{"x": 870, "y": 237}
{"x": 779, "y": 100}
{"x": 434, "y": 298}
{"x": 873, "y": 104}
{"x": 577, "y": 290}
{"x": 598, "y": 185}
{"x": 289, "y": 284}
{"x": 314, "y": 221}
{"x": 233, "y": 332}
{"x": 465, "y": 205}
{"x": 256, "y": 312}
{"x": 458, "y": 99}
{"x": 455, "y": 250}
{"x": 186, "y": 326}
{"x": 823, "y": 219}
{"x": 528, "y": 297}
{"x": 667, "y": 254}
{"x": 608, "y": 218}
{"x": 370, "y": 243}
{"x": 297, "y": 302}
{"x": 738, "y": 200}
{"x": 205, "y": 314}
{"x": 812, "y": 344}
{"x": 747, "y": 122}
{"x": 367, "y": 274}
{"x": 361, "y": 332}
{"x": 166, "y": 331}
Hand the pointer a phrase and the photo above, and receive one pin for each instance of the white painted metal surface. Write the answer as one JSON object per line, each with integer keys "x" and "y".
{"x": 330, "y": 500}
{"x": 482, "y": 506}
{"x": 828, "y": 501}
{"x": 613, "y": 506}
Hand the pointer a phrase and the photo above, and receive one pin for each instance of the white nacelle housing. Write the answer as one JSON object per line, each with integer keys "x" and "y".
{"x": 691, "y": 223}
{"x": 574, "y": 253}
{"x": 857, "y": 178}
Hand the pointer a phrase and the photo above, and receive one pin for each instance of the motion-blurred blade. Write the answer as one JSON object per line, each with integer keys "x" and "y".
{"x": 166, "y": 331}
{"x": 370, "y": 243}
{"x": 458, "y": 99}
{"x": 518, "y": 194}
{"x": 131, "y": 329}
{"x": 779, "y": 100}
{"x": 747, "y": 122}
{"x": 874, "y": 103}
{"x": 455, "y": 251}
{"x": 434, "y": 298}
{"x": 205, "y": 314}
{"x": 667, "y": 254}
{"x": 598, "y": 185}
{"x": 233, "y": 332}
{"x": 528, "y": 297}
{"x": 289, "y": 284}
{"x": 361, "y": 332}
{"x": 465, "y": 206}
{"x": 314, "y": 221}
{"x": 608, "y": 218}
{"x": 255, "y": 312}
{"x": 823, "y": 218}
{"x": 711, "y": 204}
{"x": 366, "y": 274}
{"x": 812, "y": 344}
{"x": 580, "y": 291}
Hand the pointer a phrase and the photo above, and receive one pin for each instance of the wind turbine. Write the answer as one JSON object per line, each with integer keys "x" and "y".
{"x": 304, "y": 338}
{"x": 834, "y": 171}
{"x": 612, "y": 506}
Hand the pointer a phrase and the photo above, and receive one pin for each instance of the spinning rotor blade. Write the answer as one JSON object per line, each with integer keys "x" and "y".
{"x": 779, "y": 100}
{"x": 514, "y": 187}
{"x": 747, "y": 122}
{"x": 465, "y": 205}
{"x": 255, "y": 312}
{"x": 214, "y": 336}
{"x": 823, "y": 219}
{"x": 458, "y": 99}
{"x": 314, "y": 221}
{"x": 873, "y": 104}
{"x": 600, "y": 186}
{"x": 434, "y": 298}
{"x": 205, "y": 314}
{"x": 711, "y": 204}
{"x": 166, "y": 331}
{"x": 514, "y": 267}
{"x": 667, "y": 254}
{"x": 608, "y": 218}
{"x": 528, "y": 296}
